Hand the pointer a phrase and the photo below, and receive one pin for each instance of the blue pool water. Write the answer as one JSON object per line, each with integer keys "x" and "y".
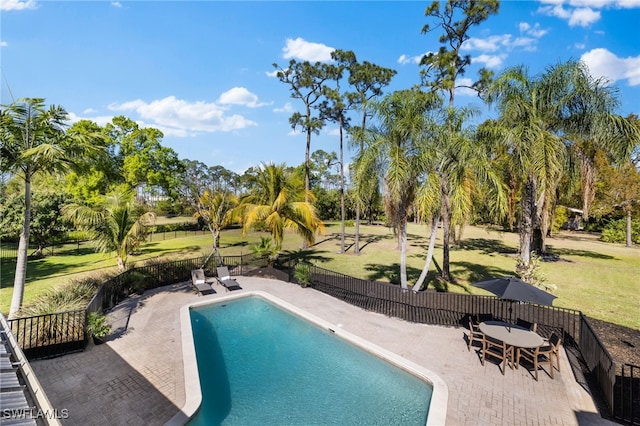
{"x": 261, "y": 365}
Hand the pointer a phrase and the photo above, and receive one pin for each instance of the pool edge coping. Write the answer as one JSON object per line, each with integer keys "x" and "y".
{"x": 193, "y": 394}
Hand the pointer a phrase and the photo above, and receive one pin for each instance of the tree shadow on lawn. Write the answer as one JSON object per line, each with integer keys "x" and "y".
{"x": 486, "y": 246}
{"x": 573, "y": 252}
{"x": 350, "y": 240}
{"x": 476, "y": 272}
{"x": 43, "y": 268}
{"x": 309, "y": 255}
{"x": 391, "y": 273}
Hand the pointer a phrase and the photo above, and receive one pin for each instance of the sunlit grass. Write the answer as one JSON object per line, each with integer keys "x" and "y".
{"x": 597, "y": 278}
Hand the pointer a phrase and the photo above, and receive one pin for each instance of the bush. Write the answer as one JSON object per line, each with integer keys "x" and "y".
{"x": 72, "y": 296}
{"x": 136, "y": 282}
{"x": 97, "y": 324}
{"x": 561, "y": 218}
{"x": 616, "y": 232}
{"x": 302, "y": 273}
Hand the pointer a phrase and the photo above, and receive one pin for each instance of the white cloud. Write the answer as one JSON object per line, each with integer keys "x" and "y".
{"x": 534, "y": 31}
{"x": 3, "y": 44}
{"x": 99, "y": 120}
{"x": 272, "y": 74}
{"x": 580, "y": 46}
{"x": 490, "y": 61}
{"x": 240, "y": 96}
{"x": 89, "y": 111}
{"x": 489, "y": 44}
{"x": 603, "y": 63}
{"x": 583, "y": 17}
{"x": 306, "y": 51}
{"x": 116, "y": 4}
{"x": 183, "y": 118}
{"x": 17, "y": 5}
{"x": 294, "y": 132}
{"x": 286, "y": 108}
{"x": 404, "y": 59}
{"x": 580, "y": 13}
{"x": 495, "y": 43}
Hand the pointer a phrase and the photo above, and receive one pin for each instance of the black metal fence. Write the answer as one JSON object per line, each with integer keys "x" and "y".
{"x": 51, "y": 335}
{"x": 45, "y": 336}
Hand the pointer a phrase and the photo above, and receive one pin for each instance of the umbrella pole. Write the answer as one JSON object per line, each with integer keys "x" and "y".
{"x": 510, "y": 316}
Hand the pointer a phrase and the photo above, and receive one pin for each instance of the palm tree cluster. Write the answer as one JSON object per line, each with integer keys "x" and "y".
{"x": 556, "y": 140}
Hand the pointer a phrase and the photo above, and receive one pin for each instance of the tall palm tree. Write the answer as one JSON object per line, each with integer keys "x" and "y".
{"x": 114, "y": 226}
{"x": 277, "y": 202}
{"x": 531, "y": 113}
{"x": 33, "y": 141}
{"x": 396, "y": 148}
{"x": 460, "y": 166}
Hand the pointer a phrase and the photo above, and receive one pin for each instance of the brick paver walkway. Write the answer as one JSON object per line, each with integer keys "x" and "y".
{"x": 136, "y": 378}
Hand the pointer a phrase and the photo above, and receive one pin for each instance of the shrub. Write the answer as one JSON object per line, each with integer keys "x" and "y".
{"x": 97, "y": 324}
{"x": 616, "y": 232}
{"x": 560, "y": 219}
{"x": 302, "y": 273}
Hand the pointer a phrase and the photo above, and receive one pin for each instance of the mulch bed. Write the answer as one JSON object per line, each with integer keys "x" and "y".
{"x": 623, "y": 343}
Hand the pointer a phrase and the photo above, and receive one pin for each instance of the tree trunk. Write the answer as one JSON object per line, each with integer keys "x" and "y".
{"x": 446, "y": 225}
{"x": 356, "y": 244}
{"x": 23, "y": 247}
{"x": 432, "y": 243}
{"x": 342, "y": 214}
{"x": 629, "y": 239}
{"x": 527, "y": 211}
{"x": 403, "y": 254}
{"x": 307, "y": 171}
{"x": 587, "y": 180}
{"x": 538, "y": 244}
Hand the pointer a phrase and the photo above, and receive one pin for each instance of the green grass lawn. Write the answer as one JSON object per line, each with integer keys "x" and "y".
{"x": 599, "y": 279}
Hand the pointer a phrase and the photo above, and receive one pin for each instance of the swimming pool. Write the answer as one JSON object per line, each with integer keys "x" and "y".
{"x": 263, "y": 361}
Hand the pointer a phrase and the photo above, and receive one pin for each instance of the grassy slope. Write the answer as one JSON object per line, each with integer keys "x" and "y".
{"x": 597, "y": 278}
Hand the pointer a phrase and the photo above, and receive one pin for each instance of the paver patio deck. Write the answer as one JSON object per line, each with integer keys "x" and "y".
{"x": 136, "y": 378}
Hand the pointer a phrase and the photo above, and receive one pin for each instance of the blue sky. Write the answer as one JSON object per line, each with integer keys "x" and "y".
{"x": 201, "y": 71}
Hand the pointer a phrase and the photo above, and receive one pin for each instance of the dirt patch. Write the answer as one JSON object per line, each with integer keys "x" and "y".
{"x": 623, "y": 343}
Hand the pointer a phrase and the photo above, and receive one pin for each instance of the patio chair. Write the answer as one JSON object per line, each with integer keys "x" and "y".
{"x": 199, "y": 282}
{"x": 475, "y": 335}
{"x": 532, "y": 326}
{"x": 224, "y": 278}
{"x": 542, "y": 355}
{"x": 497, "y": 349}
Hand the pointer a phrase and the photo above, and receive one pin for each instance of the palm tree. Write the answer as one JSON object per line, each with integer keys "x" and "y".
{"x": 114, "y": 226}
{"x": 531, "y": 113}
{"x": 33, "y": 141}
{"x": 460, "y": 166}
{"x": 396, "y": 148}
{"x": 216, "y": 209}
{"x": 277, "y": 202}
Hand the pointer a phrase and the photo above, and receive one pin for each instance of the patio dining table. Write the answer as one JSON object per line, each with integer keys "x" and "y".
{"x": 513, "y": 335}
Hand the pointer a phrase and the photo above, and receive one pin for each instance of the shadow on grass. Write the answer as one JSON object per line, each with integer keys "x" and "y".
{"x": 582, "y": 253}
{"x": 486, "y": 246}
{"x": 350, "y": 240}
{"x": 310, "y": 255}
{"x": 390, "y": 273}
{"x": 477, "y": 272}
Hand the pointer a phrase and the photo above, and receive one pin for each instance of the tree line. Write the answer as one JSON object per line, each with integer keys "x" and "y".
{"x": 557, "y": 141}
